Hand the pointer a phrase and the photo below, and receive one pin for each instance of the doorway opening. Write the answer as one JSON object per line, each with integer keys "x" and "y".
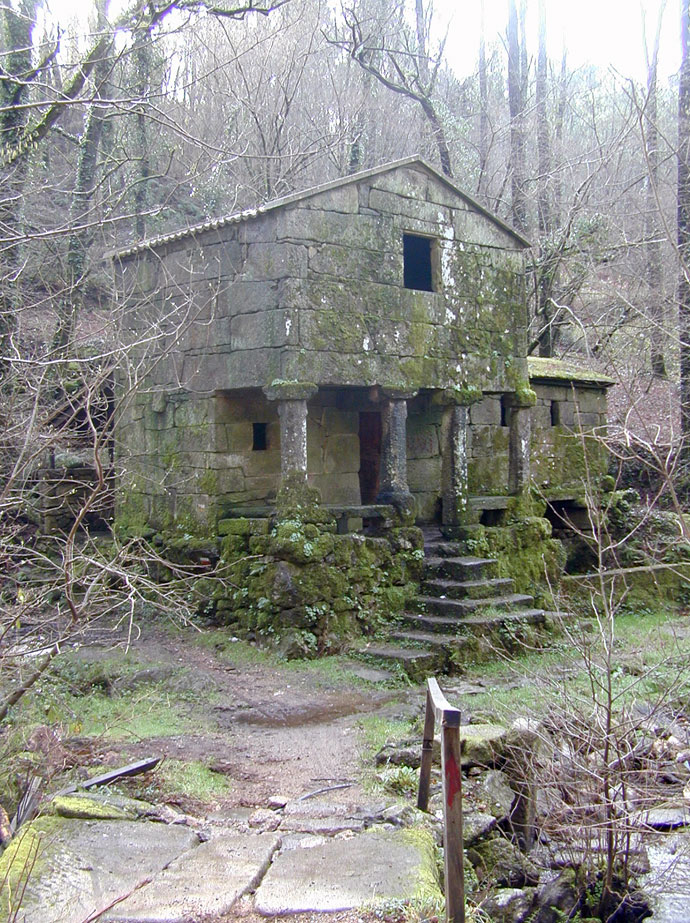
{"x": 369, "y": 455}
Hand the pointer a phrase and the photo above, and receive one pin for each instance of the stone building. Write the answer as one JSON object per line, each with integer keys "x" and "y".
{"x": 368, "y": 334}
{"x": 315, "y": 379}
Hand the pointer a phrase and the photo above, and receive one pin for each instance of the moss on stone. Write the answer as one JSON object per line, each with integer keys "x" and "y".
{"x": 85, "y": 807}
{"x": 22, "y": 859}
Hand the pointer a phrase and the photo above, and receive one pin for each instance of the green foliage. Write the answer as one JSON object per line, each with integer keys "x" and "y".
{"x": 401, "y": 780}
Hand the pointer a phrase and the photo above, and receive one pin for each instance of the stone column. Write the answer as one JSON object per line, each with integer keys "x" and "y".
{"x": 454, "y": 484}
{"x": 520, "y": 436}
{"x": 393, "y": 480}
{"x": 292, "y": 400}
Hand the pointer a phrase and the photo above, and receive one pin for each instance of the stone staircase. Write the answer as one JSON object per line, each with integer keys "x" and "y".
{"x": 462, "y": 606}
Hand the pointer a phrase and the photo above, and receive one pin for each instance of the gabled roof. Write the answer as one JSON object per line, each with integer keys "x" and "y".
{"x": 247, "y": 215}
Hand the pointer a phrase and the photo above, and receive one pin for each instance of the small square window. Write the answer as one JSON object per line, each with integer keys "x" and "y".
{"x": 260, "y": 440}
{"x": 417, "y": 253}
{"x": 506, "y": 410}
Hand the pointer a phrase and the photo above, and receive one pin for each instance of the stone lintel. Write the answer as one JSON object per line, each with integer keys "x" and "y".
{"x": 290, "y": 390}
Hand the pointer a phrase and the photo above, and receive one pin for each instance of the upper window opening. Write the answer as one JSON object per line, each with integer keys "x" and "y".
{"x": 417, "y": 262}
{"x": 555, "y": 413}
{"x": 260, "y": 443}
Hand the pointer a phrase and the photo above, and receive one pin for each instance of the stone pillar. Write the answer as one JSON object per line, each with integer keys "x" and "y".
{"x": 454, "y": 483}
{"x": 520, "y": 436}
{"x": 393, "y": 481}
{"x": 292, "y": 398}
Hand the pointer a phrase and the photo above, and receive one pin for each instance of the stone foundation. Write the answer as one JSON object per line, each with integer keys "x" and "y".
{"x": 296, "y": 583}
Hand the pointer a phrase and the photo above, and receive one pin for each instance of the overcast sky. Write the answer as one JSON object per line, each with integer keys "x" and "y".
{"x": 607, "y": 33}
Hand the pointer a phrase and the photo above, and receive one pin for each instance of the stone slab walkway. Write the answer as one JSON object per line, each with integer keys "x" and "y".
{"x": 147, "y": 872}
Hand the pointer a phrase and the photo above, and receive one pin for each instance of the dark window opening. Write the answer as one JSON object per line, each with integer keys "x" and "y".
{"x": 417, "y": 262}
{"x": 492, "y": 518}
{"x": 555, "y": 413}
{"x": 260, "y": 443}
{"x": 505, "y": 411}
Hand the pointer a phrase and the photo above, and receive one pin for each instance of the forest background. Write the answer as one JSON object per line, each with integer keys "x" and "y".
{"x": 126, "y": 122}
{"x": 119, "y": 124}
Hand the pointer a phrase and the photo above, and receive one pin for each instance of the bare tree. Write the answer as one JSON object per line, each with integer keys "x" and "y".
{"x": 385, "y": 47}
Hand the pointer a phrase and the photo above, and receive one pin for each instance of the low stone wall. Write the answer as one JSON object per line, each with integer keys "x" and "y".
{"x": 300, "y": 585}
{"x": 58, "y": 495}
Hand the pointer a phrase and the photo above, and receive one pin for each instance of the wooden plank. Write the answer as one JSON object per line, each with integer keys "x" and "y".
{"x": 444, "y": 711}
{"x": 132, "y": 769}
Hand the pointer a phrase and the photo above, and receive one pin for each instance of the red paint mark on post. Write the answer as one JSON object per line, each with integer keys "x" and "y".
{"x": 453, "y": 781}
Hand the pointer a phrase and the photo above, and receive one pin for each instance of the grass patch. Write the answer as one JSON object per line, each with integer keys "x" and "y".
{"x": 193, "y": 779}
{"x": 140, "y": 715}
{"x": 378, "y": 731}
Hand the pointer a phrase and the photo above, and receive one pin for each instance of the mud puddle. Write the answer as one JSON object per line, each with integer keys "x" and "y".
{"x": 276, "y": 714}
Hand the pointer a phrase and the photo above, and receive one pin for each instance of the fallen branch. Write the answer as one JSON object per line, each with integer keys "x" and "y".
{"x": 133, "y": 769}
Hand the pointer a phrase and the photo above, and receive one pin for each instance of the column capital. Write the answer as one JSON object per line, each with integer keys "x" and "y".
{"x": 459, "y": 397}
{"x": 522, "y": 398}
{"x": 398, "y": 394}
{"x": 290, "y": 390}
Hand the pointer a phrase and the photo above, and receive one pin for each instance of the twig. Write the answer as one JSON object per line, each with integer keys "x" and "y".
{"x": 322, "y": 791}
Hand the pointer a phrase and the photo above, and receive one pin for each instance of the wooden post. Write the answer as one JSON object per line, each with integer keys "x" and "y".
{"x": 438, "y": 708}
{"x": 452, "y": 823}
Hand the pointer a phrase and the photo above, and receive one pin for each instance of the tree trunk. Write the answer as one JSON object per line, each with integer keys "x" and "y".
{"x": 84, "y": 188}
{"x": 655, "y": 303}
{"x": 545, "y": 269}
{"x": 142, "y": 63}
{"x": 683, "y": 195}
{"x": 483, "y": 107}
{"x": 15, "y": 28}
{"x": 516, "y": 105}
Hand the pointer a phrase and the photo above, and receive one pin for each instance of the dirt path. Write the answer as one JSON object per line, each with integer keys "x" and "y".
{"x": 270, "y": 730}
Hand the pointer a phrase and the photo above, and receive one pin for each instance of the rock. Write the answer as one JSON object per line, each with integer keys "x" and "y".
{"x": 524, "y": 740}
{"x": 668, "y": 882}
{"x": 264, "y": 819}
{"x": 277, "y": 802}
{"x": 406, "y": 753}
{"x": 5, "y": 828}
{"x": 460, "y": 687}
{"x": 483, "y": 744}
{"x": 475, "y": 825}
{"x": 86, "y": 807}
{"x": 149, "y": 676}
{"x": 500, "y": 864}
{"x": 663, "y": 817}
{"x": 324, "y": 826}
{"x": 202, "y": 883}
{"x": 372, "y": 869}
{"x": 558, "y": 898}
{"x": 83, "y": 866}
{"x": 497, "y": 793}
{"x": 509, "y": 905}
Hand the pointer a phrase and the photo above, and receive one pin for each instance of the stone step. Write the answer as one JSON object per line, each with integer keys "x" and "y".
{"x": 461, "y": 589}
{"x": 529, "y": 616}
{"x": 426, "y": 638}
{"x": 444, "y": 626}
{"x": 463, "y": 607}
{"x": 460, "y": 568}
{"x": 416, "y": 662}
{"x": 442, "y": 548}
{"x": 438, "y": 624}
